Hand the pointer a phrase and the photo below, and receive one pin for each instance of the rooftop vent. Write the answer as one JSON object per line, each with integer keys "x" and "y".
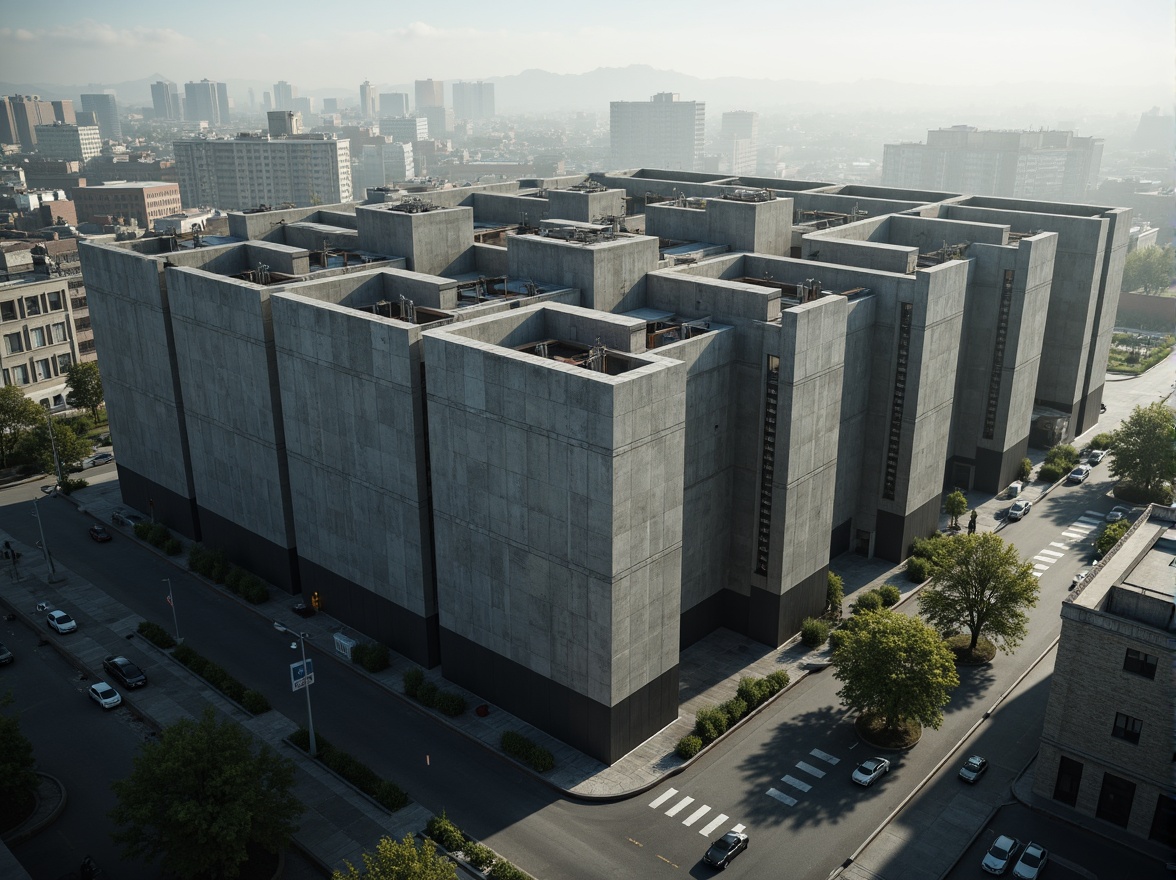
{"x": 413, "y": 205}
{"x": 588, "y": 186}
{"x": 748, "y": 195}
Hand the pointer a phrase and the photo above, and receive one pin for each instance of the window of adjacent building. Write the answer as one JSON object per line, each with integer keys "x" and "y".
{"x": 1163, "y": 826}
{"x": 1140, "y": 663}
{"x": 58, "y": 401}
{"x": 1127, "y": 728}
{"x": 32, "y": 305}
{"x": 8, "y": 310}
{"x": 44, "y": 371}
{"x": 1068, "y": 782}
{"x": 55, "y": 304}
{"x": 63, "y": 362}
{"x": 59, "y": 332}
{"x": 20, "y": 374}
{"x": 37, "y": 336}
{"x": 1114, "y": 801}
{"x": 13, "y": 344}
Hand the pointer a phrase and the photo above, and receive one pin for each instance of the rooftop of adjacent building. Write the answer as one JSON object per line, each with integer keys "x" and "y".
{"x": 127, "y": 184}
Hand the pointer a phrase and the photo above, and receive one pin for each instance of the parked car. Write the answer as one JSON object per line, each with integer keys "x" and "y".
{"x": 723, "y": 851}
{"x": 1032, "y": 862}
{"x": 1000, "y": 854}
{"x": 61, "y": 622}
{"x": 104, "y": 695}
{"x": 101, "y": 458}
{"x": 1019, "y": 509}
{"x": 1079, "y": 474}
{"x": 1096, "y": 455}
{"x": 1118, "y": 513}
{"x": 973, "y": 768}
{"x": 99, "y": 533}
{"x": 125, "y": 671}
{"x": 870, "y": 771}
{"x": 48, "y": 488}
{"x": 125, "y": 518}
{"x": 5, "y": 656}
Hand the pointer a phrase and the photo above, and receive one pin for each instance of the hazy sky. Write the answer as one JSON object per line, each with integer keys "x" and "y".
{"x": 322, "y": 45}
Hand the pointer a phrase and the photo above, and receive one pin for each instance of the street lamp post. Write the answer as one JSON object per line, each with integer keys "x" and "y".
{"x": 307, "y": 680}
{"x": 53, "y": 445}
{"x": 44, "y": 546}
{"x": 172, "y": 602}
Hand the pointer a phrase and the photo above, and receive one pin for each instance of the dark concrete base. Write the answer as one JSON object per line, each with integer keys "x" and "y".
{"x": 725, "y": 608}
{"x": 267, "y": 560}
{"x": 776, "y": 618}
{"x": 1088, "y": 412}
{"x": 606, "y": 733}
{"x": 404, "y": 631}
{"x": 995, "y": 470}
{"x": 895, "y": 533}
{"x": 175, "y": 511}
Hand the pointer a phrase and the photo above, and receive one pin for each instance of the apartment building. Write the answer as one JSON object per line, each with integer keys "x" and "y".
{"x": 663, "y": 132}
{"x": 105, "y": 109}
{"x": 38, "y": 346}
{"x": 71, "y": 143}
{"x": 143, "y": 202}
{"x": 473, "y": 100}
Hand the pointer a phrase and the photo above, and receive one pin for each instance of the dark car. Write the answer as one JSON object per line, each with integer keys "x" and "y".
{"x": 99, "y": 533}
{"x": 125, "y": 671}
{"x": 101, "y": 458}
{"x": 973, "y": 768}
{"x": 125, "y": 518}
{"x": 5, "y": 656}
{"x": 723, "y": 851}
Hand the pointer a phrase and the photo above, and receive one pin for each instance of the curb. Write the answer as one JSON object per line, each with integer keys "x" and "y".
{"x": 29, "y": 828}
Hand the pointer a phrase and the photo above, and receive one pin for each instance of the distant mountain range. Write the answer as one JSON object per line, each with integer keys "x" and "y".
{"x": 539, "y": 91}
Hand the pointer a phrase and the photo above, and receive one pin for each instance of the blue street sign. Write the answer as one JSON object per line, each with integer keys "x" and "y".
{"x": 301, "y": 676}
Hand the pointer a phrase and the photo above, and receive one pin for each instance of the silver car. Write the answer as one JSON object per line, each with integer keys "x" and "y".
{"x": 870, "y": 771}
{"x": 1000, "y": 854}
{"x": 1032, "y": 862}
{"x": 104, "y": 695}
{"x": 1020, "y": 508}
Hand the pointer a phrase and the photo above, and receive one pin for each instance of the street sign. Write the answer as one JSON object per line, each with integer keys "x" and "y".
{"x": 301, "y": 676}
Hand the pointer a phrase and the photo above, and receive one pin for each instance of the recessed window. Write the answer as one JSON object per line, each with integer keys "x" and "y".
{"x": 8, "y": 310}
{"x": 59, "y": 332}
{"x": 1127, "y": 728}
{"x": 13, "y": 344}
{"x": 63, "y": 362}
{"x": 1140, "y": 663}
{"x": 37, "y": 336}
{"x": 20, "y": 374}
{"x": 43, "y": 370}
{"x": 54, "y": 300}
{"x": 32, "y": 305}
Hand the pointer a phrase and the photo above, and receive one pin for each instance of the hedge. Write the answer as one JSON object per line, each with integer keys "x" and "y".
{"x": 504, "y": 870}
{"x": 890, "y": 595}
{"x": 387, "y": 794}
{"x": 448, "y": 835}
{"x": 834, "y": 595}
{"x": 213, "y": 564}
{"x": 688, "y": 746}
{"x": 428, "y": 694}
{"x": 814, "y": 632}
{"x": 156, "y": 634}
{"x": 413, "y": 679}
{"x": 373, "y": 658}
{"x": 712, "y": 722}
{"x": 870, "y": 600}
{"x": 918, "y": 569}
{"x": 522, "y": 749}
{"x": 252, "y": 701}
{"x": 481, "y": 857}
{"x": 1051, "y": 473}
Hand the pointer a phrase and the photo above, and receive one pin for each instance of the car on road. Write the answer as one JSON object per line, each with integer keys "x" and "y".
{"x": 48, "y": 488}
{"x": 723, "y": 851}
{"x": 1000, "y": 854}
{"x": 1032, "y": 862}
{"x": 1118, "y": 513}
{"x": 1079, "y": 578}
{"x": 1096, "y": 455}
{"x": 1079, "y": 474}
{"x": 101, "y": 458}
{"x": 125, "y": 671}
{"x": 5, "y": 656}
{"x": 870, "y": 771}
{"x": 99, "y": 533}
{"x": 125, "y": 518}
{"x": 973, "y": 768}
{"x": 1019, "y": 509}
{"x": 104, "y": 695}
{"x": 61, "y": 622}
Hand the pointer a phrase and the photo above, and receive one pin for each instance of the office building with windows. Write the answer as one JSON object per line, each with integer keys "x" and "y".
{"x": 76, "y": 143}
{"x": 284, "y": 95}
{"x": 165, "y": 98}
{"x": 105, "y": 109}
{"x": 38, "y": 329}
{"x": 142, "y": 202}
{"x": 473, "y": 100}
{"x": 429, "y": 93}
{"x": 663, "y": 132}
{"x": 367, "y": 100}
{"x": 206, "y": 101}
{"x": 394, "y": 104}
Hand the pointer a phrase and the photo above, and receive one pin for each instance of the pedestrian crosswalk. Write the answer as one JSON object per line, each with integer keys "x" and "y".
{"x": 1078, "y": 532}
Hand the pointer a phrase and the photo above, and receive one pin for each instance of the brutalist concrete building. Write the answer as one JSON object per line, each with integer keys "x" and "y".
{"x": 1106, "y": 746}
{"x": 548, "y": 433}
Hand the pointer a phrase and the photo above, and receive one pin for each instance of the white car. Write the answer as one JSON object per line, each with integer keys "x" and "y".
{"x": 1000, "y": 854}
{"x": 1079, "y": 474}
{"x": 1019, "y": 509}
{"x": 870, "y": 771}
{"x": 1096, "y": 455}
{"x": 104, "y": 695}
{"x": 1032, "y": 861}
{"x": 1079, "y": 578}
{"x": 61, "y": 622}
{"x": 1117, "y": 513}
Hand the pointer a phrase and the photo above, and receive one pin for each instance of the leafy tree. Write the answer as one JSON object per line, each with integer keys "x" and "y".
{"x": 36, "y": 446}
{"x": 1151, "y": 269}
{"x": 17, "y": 415}
{"x": 1143, "y": 451}
{"x": 1110, "y": 536}
{"x": 895, "y": 666}
{"x": 834, "y": 595}
{"x": 85, "y": 386}
{"x": 18, "y": 780}
{"x": 982, "y": 586}
{"x": 201, "y": 795}
{"x": 957, "y": 505}
{"x": 401, "y": 860}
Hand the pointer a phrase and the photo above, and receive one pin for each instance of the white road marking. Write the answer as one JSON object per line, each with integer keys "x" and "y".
{"x": 661, "y": 799}
{"x": 714, "y": 823}
{"x": 680, "y": 806}
{"x": 738, "y": 828}
{"x": 1094, "y": 521}
{"x": 696, "y": 815}
{"x": 781, "y": 797}
{"x": 1052, "y": 553}
{"x": 1073, "y": 535}
{"x": 1040, "y": 567}
{"x": 1037, "y": 574}
{"x": 796, "y": 783}
{"x": 1056, "y": 544}
{"x": 810, "y": 769}
{"x": 1051, "y": 560}
{"x": 1081, "y": 527}
{"x": 824, "y": 756}
{"x": 1095, "y": 514}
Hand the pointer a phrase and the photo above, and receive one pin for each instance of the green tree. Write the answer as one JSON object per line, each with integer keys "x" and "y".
{"x": 981, "y": 585}
{"x": 201, "y": 795}
{"x": 834, "y": 595}
{"x": 85, "y": 387}
{"x": 957, "y": 505}
{"x": 18, "y": 780}
{"x": 1143, "y": 451}
{"x": 1150, "y": 269}
{"x": 894, "y": 666}
{"x": 35, "y": 446}
{"x": 17, "y": 415}
{"x": 1110, "y": 536}
{"x": 401, "y": 860}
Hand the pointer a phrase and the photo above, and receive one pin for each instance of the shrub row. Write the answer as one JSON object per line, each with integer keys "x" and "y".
{"x": 72, "y": 484}
{"x": 158, "y": 535}
{"x": 714, "y": 721}
{"x": 373, "y": 658}
{"x": 253, "y": 702}
{"x": 522, "y": 749}
{"x": 814, "y": 632}
{"x": 428, "y": 694}
{"x": 1024, "y": 469}
{"x": 246, "y": 584}
{"x": 213, "y": 564}
{"x": 1059, "y": 461}
{"x": 923, "y": 555}
{"x": 387, "y": 794}
{"x": 884, "y": 596}
{"x": 156, "y": 635}
{"x": 449, "y": 837}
